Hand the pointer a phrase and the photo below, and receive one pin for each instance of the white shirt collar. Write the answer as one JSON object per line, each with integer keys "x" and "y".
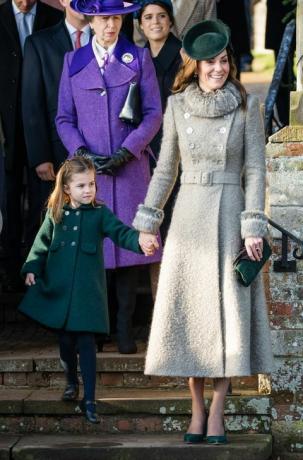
{"x": 16, "y": 10}
{"x": 99, "y": 50}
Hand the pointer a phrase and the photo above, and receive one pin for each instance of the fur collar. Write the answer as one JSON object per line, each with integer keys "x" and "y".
{"x": 211, "y": 105}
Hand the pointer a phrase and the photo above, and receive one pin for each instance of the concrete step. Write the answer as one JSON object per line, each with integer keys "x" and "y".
{"x": 37, "y": 368}
{"x": 134, "y": 447}
{"x": 125, "y": 410}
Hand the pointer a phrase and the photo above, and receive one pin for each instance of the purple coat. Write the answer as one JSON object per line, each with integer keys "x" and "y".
{"x": 88, "y": 110}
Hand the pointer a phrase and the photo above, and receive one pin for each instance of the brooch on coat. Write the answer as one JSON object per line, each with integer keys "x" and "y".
{"x": 127, "y": 58}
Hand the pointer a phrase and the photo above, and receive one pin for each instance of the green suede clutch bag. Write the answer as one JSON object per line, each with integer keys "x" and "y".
{"x": 247, "y": 269}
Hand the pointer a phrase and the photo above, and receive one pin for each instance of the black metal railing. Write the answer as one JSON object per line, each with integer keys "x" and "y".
{"x": 283, "y": 264}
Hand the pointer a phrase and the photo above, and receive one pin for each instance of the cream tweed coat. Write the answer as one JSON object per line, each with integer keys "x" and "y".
{"x": 205, "y": 323}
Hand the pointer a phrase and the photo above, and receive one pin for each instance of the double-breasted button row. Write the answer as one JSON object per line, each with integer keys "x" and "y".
{"x": 73, "y": 243}
{"x": 64, "y": 227}
{"x": 67, "y": 213}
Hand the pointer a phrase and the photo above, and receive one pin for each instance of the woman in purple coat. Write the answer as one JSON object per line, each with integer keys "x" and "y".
{"x": 94, "y": 86}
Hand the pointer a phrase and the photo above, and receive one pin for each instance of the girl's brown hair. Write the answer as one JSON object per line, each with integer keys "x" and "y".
{"x": 188, "y": 74}
{"x": 59, "y": 197}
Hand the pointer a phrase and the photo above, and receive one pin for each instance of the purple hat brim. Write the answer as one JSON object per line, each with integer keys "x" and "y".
{"x": 108, "y": 12}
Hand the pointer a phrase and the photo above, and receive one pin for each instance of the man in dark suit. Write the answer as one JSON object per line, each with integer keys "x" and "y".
{"x": 277, "y": 12}
{"x": 18, "y": 18}
{"x": 42, "y": 67}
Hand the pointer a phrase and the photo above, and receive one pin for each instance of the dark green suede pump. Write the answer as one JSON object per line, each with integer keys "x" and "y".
{"x": 216, "y": 439}
{"x": 192, "y": 438}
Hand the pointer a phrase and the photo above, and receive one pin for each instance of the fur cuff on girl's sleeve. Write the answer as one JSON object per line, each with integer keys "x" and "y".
{"x": 254, "y": 224}
{"x": 148, "y": 219}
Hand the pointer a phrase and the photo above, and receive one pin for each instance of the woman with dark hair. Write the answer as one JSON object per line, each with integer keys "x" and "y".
{"x": 156, "y": 19}
{"x": 92, "y": 121}
{"x": 205, "y": 323}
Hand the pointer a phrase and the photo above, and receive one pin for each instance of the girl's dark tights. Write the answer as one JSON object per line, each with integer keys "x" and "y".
{"x": 84, "y": 343}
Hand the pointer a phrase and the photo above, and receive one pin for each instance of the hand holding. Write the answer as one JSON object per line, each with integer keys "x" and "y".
{"x": 30, "y": 279}
{"x": 45, "y": 171}
{"x": 148, "y": 243}
{"x": 254, "y": 248}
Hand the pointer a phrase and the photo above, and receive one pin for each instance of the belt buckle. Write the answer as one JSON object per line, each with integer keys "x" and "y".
{"x": 207, "y": 178}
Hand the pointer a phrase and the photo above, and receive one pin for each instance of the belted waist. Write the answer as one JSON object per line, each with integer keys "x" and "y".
{"x": 209, "y": 178}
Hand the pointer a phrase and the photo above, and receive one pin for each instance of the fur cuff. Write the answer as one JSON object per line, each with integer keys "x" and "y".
{"x": 253, "y": 224}
{"x": 148, "y": 219}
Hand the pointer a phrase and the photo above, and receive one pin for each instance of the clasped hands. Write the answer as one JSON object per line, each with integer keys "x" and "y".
{"x": 108, "y": 165}
{"x": 148, "y": 243}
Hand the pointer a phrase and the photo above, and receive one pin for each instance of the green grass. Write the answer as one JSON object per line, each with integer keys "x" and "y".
{"x": 264, "y": 62}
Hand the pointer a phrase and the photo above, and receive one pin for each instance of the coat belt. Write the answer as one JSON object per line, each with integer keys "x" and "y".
{"x": 208, "y": 178}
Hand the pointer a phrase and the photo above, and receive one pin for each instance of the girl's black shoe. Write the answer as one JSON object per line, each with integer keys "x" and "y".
{"x": 88, "y": 408}
{"x": 71, "y": 392}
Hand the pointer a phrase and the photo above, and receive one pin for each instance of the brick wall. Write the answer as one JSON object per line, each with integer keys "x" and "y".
{"x": 285, "y": 299}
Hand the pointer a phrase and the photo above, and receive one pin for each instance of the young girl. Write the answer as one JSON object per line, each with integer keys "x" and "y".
{"x": 65, "y": 272}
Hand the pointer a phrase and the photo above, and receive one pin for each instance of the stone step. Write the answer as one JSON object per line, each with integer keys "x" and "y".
{"x": 133, "y": 447}
{"x": 124, "y": 410}
{"x": 41, "y": 368}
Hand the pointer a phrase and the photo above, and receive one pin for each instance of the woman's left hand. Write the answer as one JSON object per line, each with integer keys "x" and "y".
{"x": 254, "y": 248}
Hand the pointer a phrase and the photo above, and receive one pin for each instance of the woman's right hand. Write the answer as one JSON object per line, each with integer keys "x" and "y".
{"x": 30, "y": 279}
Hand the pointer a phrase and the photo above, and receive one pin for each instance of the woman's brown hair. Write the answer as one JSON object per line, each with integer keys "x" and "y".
{"x": 59, "y": 197}
{"x": 188, "y": 74}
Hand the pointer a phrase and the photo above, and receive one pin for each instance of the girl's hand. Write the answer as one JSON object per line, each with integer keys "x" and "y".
{"x": 148, "y": 243}
{"x": 254, "y": 248}
{"x": 30, "y": 279}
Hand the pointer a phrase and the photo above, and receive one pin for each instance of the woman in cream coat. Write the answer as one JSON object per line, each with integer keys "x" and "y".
{"x": 205, "y": 323}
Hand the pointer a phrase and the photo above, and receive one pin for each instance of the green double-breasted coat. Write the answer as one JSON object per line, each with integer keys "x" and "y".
{"x": 67, "y": 259}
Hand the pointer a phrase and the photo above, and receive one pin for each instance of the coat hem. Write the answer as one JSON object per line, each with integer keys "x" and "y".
{"x": 204, "y": 375}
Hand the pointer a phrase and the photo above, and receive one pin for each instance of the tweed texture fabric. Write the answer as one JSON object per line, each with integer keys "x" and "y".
{"x": 205, "y": 323}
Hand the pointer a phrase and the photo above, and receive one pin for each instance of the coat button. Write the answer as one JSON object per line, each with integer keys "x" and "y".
{"x": 75, "y": 227}
{"x": 220, "y": 147}
{"x": 64, "y": 227}
{"x": 186, "y": 115}
{"x": 66, "y": 213}
{"x": 220, "y": 162}
{"x": 189, "y": 130}
{"x": 77, "y": 213}
{"x": 62, "y": 243}
{"x": 223, "y": 130}
{"x": 191, "y": 146}
{"x": 73, "y": 243}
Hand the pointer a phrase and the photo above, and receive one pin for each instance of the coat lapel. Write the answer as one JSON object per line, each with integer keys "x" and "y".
{"x": 40, "y": 21}
{"x": 183, "y": 14}
{"x": 90, "y": 77}
{"x": 117, "y": 73}
{"x": 120, "y": 72}
{"x": 9, "y": 22}
{"x": 62, "y": 38}
{"x": 169, "y": 52}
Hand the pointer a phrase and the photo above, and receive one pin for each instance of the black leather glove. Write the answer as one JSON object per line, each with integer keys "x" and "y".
{"x": 98, "y": 160}
{"x": 114, "y": 163}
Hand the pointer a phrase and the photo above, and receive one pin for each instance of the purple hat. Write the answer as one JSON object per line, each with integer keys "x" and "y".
{"x": 103, "y": 7}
